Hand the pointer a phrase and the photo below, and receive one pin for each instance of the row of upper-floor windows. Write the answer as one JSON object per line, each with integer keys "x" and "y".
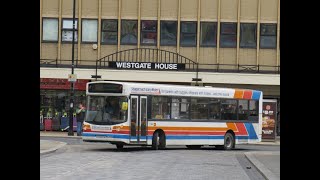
{"x": 168, "y": 33}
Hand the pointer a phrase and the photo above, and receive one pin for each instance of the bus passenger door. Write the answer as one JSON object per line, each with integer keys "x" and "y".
{"x": 134, "y": 119}
{"x": 138, "y": 126}
{"x": 143, "y": 119}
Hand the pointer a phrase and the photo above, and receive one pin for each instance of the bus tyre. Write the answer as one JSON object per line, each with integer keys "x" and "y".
{"x": 162, "y": 141}
{"x": 119, "y": 146}
{"x": 229, "y": 142}
{"x": 155, "y": 141}
{"x": 193, "y": 146}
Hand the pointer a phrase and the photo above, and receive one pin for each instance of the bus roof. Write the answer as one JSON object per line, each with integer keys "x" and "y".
{"x": 184, "y": 90}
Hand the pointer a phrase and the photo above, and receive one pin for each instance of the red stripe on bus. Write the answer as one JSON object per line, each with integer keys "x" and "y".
{"x": 247, "y": 94}
{"x": 241, "y": 129}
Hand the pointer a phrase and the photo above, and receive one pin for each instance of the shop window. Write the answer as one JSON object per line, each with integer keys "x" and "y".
{"x": 268, "y": 36}
{"x": 50, "y": 29}
{"x": 248, "y": 35}
{"x": 188, "y": 35}
{"x": 89, "y": 30}
{"x": 109, "y": 31}
{"x": 149, "y": 32}
{"x": 160, "y": 107}
{"x": 129, "y": 32}
{"x": 228, "y": 35}
{"x": 168, "y": 33}
{"x": 208, "y": 36}
{"x": 67, "y": 25}
{"x": 55, "y": 103}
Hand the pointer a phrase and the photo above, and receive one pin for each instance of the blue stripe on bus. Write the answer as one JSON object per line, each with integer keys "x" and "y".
{"x": 242, "y": 137}
{"x": 194, "y": 137}
{"x": 122, "y": 136}
{"x": 250, "y": 129}
{"x": 256, "y": 95}
{"x": 252, "y": 133}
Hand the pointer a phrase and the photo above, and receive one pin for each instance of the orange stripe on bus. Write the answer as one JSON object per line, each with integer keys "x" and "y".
{"x": 238, "y": 94}
{"x": 232, "y": 126}
{"x": 189, "y": 128}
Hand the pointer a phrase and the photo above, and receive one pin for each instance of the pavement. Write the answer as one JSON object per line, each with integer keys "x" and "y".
{"x": 50, "y": 146}
{"x": 267, "y": 162}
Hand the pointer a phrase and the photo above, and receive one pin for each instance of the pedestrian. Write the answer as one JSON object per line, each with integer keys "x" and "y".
{"x": 80, "y": 118}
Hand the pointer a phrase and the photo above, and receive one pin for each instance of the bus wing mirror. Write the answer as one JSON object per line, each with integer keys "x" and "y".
{"x": 124, "y": 106}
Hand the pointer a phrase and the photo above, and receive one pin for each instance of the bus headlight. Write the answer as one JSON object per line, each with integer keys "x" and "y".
{"x": 86, "y": 127}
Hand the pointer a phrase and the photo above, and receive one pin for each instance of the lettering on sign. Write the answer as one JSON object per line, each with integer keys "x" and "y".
{"x": 146, "y": 66}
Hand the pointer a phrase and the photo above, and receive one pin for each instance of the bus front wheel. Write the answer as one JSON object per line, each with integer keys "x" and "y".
{"x": 119, "y": 146}
{"x": 158, "y": 141}
{"x": 193, "y": 146}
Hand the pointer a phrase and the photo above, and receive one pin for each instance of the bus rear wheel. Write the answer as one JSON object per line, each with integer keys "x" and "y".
{"x": 229, "y": 141}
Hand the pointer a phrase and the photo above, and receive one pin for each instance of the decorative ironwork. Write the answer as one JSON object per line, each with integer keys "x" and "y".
{"x": 150, "y": 55}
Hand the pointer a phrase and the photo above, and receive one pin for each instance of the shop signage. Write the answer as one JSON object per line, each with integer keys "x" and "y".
{"x": 147, "y": 66}
{"x": 72, "y": 78}
{"x": 269, "y": 116}
{"x": 52, "y": 83}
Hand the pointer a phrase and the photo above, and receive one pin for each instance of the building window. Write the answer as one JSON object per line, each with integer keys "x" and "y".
{"x": 109, "y": 31}
{"x": 248, "y": 35}
{"x": 149, "y": 32}
{"x": 208, "y": 36}
{"x": 268, "y": 36}
{"x": 129, "y": 32}
{"x": 228, "y": 35}
{"x": 50, "y": 29}
{"x": 89, "y": 30}
{"x": 67, "y": 25}
{"x": 168, "y": 33}
{"x": 188, "y": 36}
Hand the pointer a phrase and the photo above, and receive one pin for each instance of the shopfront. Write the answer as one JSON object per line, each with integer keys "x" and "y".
{"x": 270, "y": 120}
{"x": 55, "y": 97}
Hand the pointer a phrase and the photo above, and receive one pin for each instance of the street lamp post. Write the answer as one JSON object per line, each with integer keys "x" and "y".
{"x": 197, "y": 78}
{"x": 70, "y": 132}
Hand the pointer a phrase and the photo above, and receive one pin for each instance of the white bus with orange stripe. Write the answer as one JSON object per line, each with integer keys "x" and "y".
{"x": 158, "y": 115}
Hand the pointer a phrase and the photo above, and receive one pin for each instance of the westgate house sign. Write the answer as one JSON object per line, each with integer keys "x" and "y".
{"x": 146, "y": 65}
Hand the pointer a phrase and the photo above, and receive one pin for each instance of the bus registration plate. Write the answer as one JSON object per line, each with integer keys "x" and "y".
{"x": 101, "y": 128}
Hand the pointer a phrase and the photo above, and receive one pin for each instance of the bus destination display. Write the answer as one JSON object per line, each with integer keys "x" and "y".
{"x": 105, "y": 88}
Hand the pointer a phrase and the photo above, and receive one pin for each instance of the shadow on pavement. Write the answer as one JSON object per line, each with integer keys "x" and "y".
{"x": 133, "y": 149}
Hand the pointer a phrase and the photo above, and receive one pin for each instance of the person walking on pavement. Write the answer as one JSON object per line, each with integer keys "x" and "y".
{"x": 80, "y": 118}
